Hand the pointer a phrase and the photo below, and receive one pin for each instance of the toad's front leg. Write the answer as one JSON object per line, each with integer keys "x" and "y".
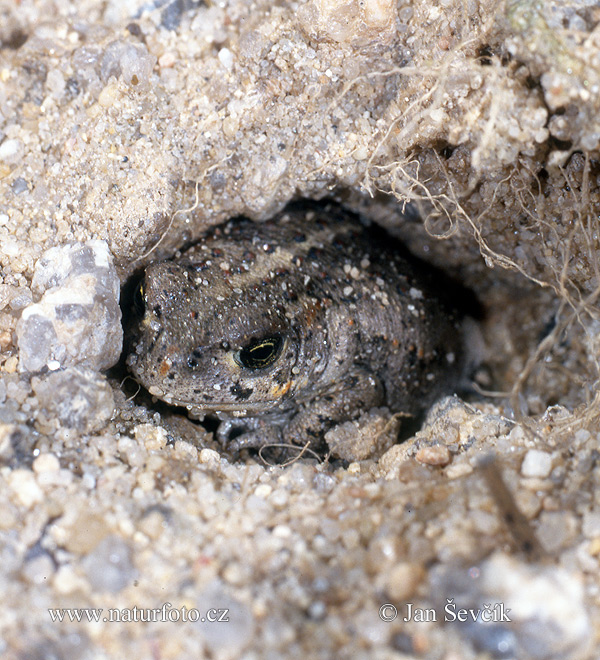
{"x": 356, "y": 393}
{"x": 248, "y": 433}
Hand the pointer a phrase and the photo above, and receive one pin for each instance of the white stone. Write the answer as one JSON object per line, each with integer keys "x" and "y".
{"x": 403, "y": 580}
{"x": 263, "y": 490}
{"x": 536, "y": 464}
{"x": 226, "y": 58}
{"x": 25, "y": 487}
{"x": 209, "y": 456}
{"x": 46, "y": 463}
{"x": 10, "y": 150}
{"x": 359, "y": 22}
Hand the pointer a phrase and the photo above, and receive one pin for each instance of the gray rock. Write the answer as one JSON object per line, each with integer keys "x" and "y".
{"x": 230, "y": 627}
{"x": 78, "y": 398}
{"x": 77, "y": 321}
{"x": 539, "y": 612}
{"x": 109, "y": 566}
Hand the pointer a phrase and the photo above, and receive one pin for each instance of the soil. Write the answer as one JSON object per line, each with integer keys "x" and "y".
{"x": 471, "y": 130}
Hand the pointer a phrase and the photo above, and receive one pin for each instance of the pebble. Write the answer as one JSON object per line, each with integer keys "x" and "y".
{"x": 547, "y": 605}
{"x": 438, "y": 455}
{"x": 536, "y": 464}
{"x": 226, "y": 641}
{"x": 75, "y": 398}
{"x": 59, "y": 478}
{"x": 209, "y": 456}
{"x": 226, "y": 58}
{"x": 146, "y": 482}
{"x": 46, "y": 463}
{"x": 403, "y": 580}
{"x": 263, "y": 490}
{"x": 39, "y": 569}
{"x": 131, "y": 451}
{"x": 20, "y": 298}
{"x": 67, "y": 581}
{"x": 109, "y": 567}
{"x": 77, "y": 320}
{"x": 548, "y": 614}
{"x": 152, "y": 437}
{"x": 556, "y": 530}
{"x": 279, "y": 498}
{"x": 372, "y": 434}
{"x": 167, "y": 60}
{"x": 25, "y": 487}
{"x": 11, "y": 151}
{"x": 130, "y": 61}
{"x": 458, "y": 470}
{"x": 83, "y": 533}
{"x": 591, "y": 524}
{"x": 582, "y": 436}
{"x": 19, "y": 185}
{"x": 594, "y": 547}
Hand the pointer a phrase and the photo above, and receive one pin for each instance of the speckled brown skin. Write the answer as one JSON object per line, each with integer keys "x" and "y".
{"x": 287, "y": 327}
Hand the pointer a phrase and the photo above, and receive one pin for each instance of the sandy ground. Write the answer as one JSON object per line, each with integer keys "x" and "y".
{"x": 471, "y": 130}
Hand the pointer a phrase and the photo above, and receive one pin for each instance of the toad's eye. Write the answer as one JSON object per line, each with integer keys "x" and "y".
{"x": 139, "y": 298}
{"x": 259, "y": 353}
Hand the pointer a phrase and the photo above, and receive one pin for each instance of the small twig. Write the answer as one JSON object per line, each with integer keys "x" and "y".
{"x": 286, "y": 445}
{"x": 518, "y": 525}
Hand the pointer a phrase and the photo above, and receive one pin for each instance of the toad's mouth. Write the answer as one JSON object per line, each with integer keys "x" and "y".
{"x": 239, "y": 409}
